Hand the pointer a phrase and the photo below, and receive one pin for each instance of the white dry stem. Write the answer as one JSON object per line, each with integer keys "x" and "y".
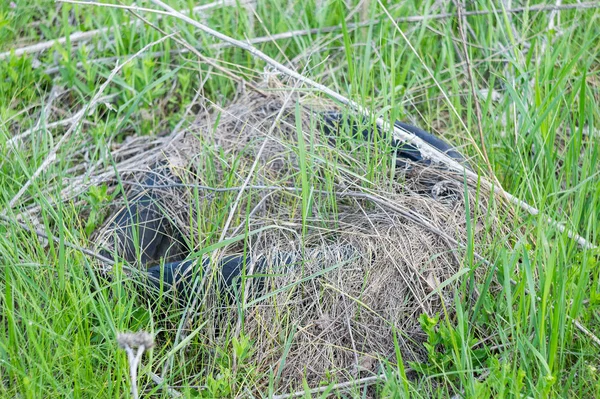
{"x": 160, "y": 381}
{"x": 426, "y": 150}
{"x": 189, "y": 310}
{"x": 129, "y": 341}
{"x": 134, "y": 360}
{"x": 585, "y": 331}
{"x": 554, "y": 15}
{"x": 271, "y": 129}
{"x": 462, "y": 25}
{"x": 361, "y": 382}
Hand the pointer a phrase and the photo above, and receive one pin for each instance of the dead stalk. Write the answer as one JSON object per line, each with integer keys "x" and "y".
{"x": 335, "y": 387}
{"x": 130, "y": 341}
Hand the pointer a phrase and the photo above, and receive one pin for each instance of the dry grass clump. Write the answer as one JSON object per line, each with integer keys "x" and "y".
{"x": 369, "y": 256}
{"x": 341, "y": 323}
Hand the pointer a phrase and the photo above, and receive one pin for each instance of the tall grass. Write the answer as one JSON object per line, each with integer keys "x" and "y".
{"x": 537, "y": 76}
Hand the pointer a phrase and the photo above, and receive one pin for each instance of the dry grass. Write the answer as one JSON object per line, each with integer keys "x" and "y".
{"x": 360, "y": 272}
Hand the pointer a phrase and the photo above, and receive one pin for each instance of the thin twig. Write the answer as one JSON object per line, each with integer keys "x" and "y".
{"x": 372, "y": 197}
{"x": 335, "y": 387}
{"x": 255, "y": 163}
{"x": 516, "y": 10}
{"x": 218, "y": 46}
{"x": 187, "y": 313}
{"x": 110, "y": 5}
{"x": 268, "y": 135}
{"x": 198, "y": 54}
{"x": 585, "y": 331}
{"x": 575, "y": 322}
{"x": 432, "y": 77}
{"x": 258, "y": 207}
{"x": 39, "y": 47}
{"x": 222, "y": 45}
{"x": 160, "y": 382}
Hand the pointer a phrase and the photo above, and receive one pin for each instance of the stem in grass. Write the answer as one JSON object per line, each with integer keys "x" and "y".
{"x": 128, "y": 341}
{"x": 335, "y": 387}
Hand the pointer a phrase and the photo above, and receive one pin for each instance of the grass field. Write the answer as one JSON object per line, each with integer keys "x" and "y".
{"x": 522, "y": 102}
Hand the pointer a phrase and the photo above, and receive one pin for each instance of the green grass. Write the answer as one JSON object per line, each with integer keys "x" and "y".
{"x": 540, "y": 94}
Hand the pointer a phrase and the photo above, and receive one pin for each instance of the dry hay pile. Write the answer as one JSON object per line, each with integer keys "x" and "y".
{"x": 363, "y": 271}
